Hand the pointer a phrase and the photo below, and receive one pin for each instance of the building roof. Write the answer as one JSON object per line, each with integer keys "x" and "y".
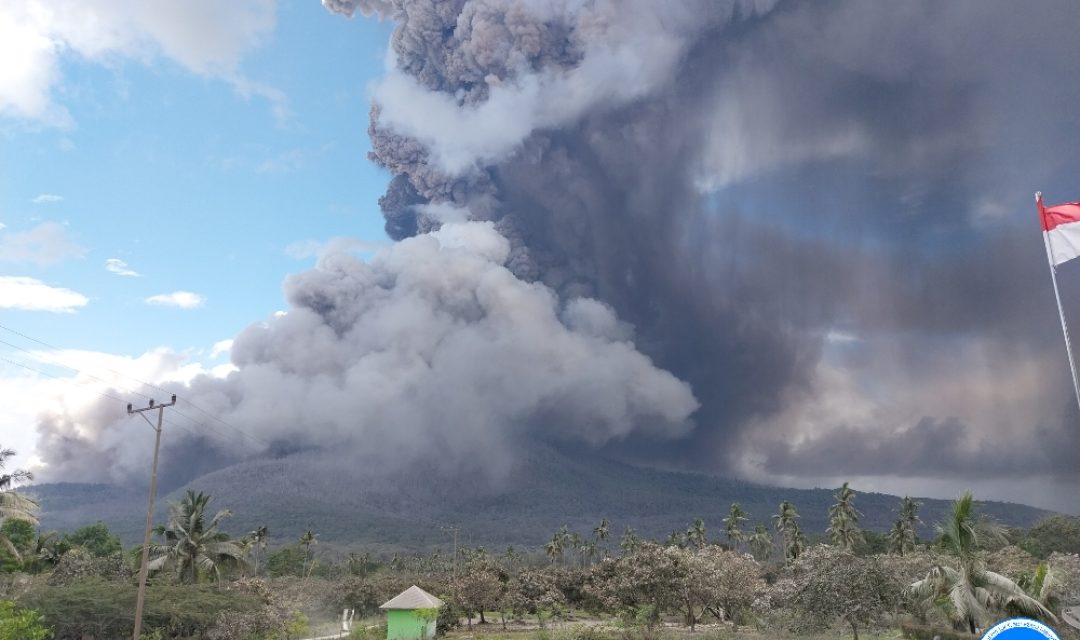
{"x": 413, "y": 598}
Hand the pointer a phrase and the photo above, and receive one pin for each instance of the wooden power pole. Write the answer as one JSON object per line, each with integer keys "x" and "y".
{"x": 144, "y": 566}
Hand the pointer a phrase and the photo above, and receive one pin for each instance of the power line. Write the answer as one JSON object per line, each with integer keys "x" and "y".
{"x": 218, "y": 419}
{"x": 109, "y": 396}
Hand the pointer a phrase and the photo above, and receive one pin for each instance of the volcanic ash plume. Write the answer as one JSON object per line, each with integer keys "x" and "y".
{"x": 804, "y": 209}
{"x": 433, "y": 350}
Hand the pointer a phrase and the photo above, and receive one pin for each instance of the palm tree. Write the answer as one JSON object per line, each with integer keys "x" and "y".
{"x": 733, "y": 524}
{"x": 695, "y": 533}
{"x": 761, "y": 542}
{"x": 964, "y": 588}
{"x": 909, "y": 513}
{"x": 600, "y": 533}
{"x": 260, "y": 538}
{"x": 844, "y": 519}
{"x": 194, "y": 544}
{"x": 788, "y": 526}
{"x": 308, "y": 540}
{"x": 898, "y": 537}
{"x": 12, "y": 505}
{"x": 554, "y": 549}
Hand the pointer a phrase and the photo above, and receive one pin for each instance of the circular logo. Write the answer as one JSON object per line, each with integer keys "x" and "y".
{"x": 1020, "y": 629}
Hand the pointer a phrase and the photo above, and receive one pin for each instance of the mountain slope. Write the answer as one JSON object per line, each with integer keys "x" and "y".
{"x": 544, "y": 490}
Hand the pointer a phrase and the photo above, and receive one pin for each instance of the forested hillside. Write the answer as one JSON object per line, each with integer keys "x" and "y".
{"x": 413, "y": 508}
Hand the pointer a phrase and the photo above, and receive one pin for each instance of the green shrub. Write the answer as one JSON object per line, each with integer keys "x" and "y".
{"x": 21, "y": 624}
{"x": 102, "y": 609}
{"x": 377, "y": 632}
{"x": 297, "y": 626}
{"x": 925, "y": 632}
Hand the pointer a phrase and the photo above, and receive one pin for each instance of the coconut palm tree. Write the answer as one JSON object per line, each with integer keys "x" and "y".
{"x": 12, "y": 505}
{"x": 787, "y": 524}
{"x": 695, "y": 533}
{"x": 600, "y": 533}
{"x": 844, "y": 519}
{"x": 194, "y": 544}
{"x": 964, "y": 588}
{"x": 553, "y": 548}
{"x": 308, "y": 540}
{"x": 761, "y": 542}
{"x": 733, "y": 524}
{"x": 899, "y": 542}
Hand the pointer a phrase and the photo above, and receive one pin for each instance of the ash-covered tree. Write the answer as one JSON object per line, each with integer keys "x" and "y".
{"x": 844, "y": 519}
{"x": 787, "y": 523}
{"x": 641, "y": 584}
{"x": 194, "y": 544}
{"x": 835, "y": 585}
{"x": 903, "y": 534}
{"x": 695, "y": 534}
{"x": 761, "y": 543}
{"x": 479, "y": 587}
{"x": 14, "y": 506}
{"x": 964, "y": 588}
{"x": 713, "y": 580}
{"x": 533, "y": 592}
{"x": 733, "y": 524}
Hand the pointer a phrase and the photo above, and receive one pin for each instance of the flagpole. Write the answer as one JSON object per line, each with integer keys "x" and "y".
{"x": 1057, "y": 297}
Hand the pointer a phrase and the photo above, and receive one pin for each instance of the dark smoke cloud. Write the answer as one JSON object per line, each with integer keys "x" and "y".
{"x": 816, "y": 214}
{"x": 791, "y": 194}
{"x": 432, "y": 350}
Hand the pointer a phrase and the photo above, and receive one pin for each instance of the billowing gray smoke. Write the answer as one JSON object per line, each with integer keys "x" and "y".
{"x": 432, "y": 353}
{"x": 815, "y": 214}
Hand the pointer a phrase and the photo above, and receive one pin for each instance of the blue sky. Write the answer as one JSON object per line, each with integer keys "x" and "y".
{"x": 185, "y": 176}
{"x": 193, "y": 185}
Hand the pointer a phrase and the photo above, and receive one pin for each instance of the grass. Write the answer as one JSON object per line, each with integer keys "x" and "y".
{"x": 583, "y": 632}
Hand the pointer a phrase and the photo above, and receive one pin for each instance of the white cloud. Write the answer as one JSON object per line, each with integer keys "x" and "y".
{"x": 29, "y": 294}
{"x": 181, "y": 299}
{"x": 46, "y": 244}
{"x": 26, "y": 396}
{"x": 47, "y": 198}
{"x": 206, "y": 37}
{"x": 303, "y": 249}
{"x": 120, "y": 268}
{"x": 221, "y": 347}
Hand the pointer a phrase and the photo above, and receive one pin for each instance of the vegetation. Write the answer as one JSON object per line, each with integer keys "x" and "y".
{"x": 13, "y": 507}
{"x": 193, "y": 545}
{"x": 964, "y": 588}
{"x": 21, "y": 624}
{"x": 209, "y": 585}
{"x": 844, "y": 520}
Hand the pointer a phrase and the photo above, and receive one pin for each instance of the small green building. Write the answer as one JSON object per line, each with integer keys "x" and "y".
{"x": 411, "y": 615}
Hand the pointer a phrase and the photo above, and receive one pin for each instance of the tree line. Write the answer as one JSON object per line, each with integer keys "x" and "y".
{"x": 967, "y": 573}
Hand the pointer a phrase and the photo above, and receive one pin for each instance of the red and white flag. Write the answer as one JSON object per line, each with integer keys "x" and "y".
{"x": 1061, "y": 224}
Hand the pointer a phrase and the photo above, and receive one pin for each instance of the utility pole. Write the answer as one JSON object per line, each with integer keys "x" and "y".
{"x": 144, "y": 567}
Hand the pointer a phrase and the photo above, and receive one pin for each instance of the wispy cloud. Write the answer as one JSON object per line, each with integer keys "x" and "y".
{"x": 35, "y": 40}
{"x": 180, "y": 299}
{"x": 120, "y": 268}
{"x": 47, "y": 198}
{"x": 45, "y": 244}
{"x": 30, "y": 294}
{"x": 303, "y": 249}
{"x": 221, "y": 347}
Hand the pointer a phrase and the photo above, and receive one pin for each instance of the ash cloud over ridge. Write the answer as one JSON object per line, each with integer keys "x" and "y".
{"x": 432, "y": 350}
{"x": 778, "y": 236}
{"x": 743, "y": 181}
